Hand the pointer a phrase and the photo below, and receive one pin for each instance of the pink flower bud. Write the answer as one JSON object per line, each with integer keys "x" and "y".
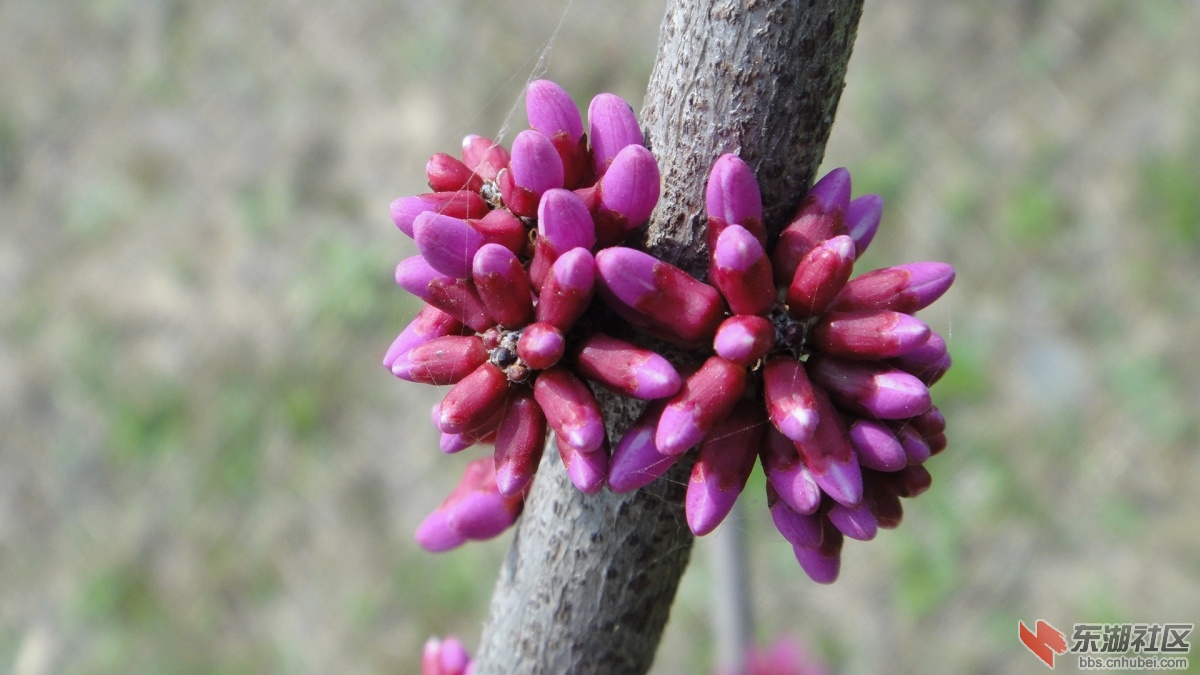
{"x": 802, "y": 530}
{"x": 868, "y": 335}
{"x": 541, "y": 346}
{"x": 725, "y": 462}
{"x": 414, "y": 275}
{"x": 460, "y": 204}
{"x": 625, "y": 368}
{"x": 936, "y": 442}
{"x": 503, "y": 286}
{"x": 822, "y": 563}
{"x": 789, "y": 398}
{"x": 519, "y": 443}
{"x": 742, "y": 272}
{"x": 552, "y": 112}
{"x": 885, "y": 505}
{"x": 903, "y": 288}
{"x": 831, "y": 193}
{"x": 707, "y": 397}
{"x": 474, "y": 510}
{"x": 429, "y": 323}
{"x": 571, "y": 410}
{"x": 787, "y": 474}
{"x": 817, "y": 219}
{"x": 929, "y": 423}
{"x": 928, "y": 362}
{"x": 909, "y": 481}
{"x": 627, "y": 194}
{"x": 876, "y": 446}
{"x": 587, "y": 470}
{"x": 856, "y": 522}
{"x": 445, "y": 657}
{"x": 565, "y": 222}
{"x": 871, "y": 389}
{"x": 448, "y": 244}
{"x": 459, "y": 299}
{"x": 441, "y": 361}
{"x": 916, "y": 450}
{"x": 484, "y": 156}
{"x": 502, "y": 227}
{"x": 658, "y": 296}
{"x": 535, "y": 167}
{"x": 862, "y": 221}
{"x": 470, "y": 403}
{"x": 732, "y": 198}
{"x": 829, "y": 455}
{"x": 744, "y": 339}
{"x": 567, "y": 290}
{"x": 613, "y": 127}
{"x": 636, "y": 461}
{"x": 819, "y": 276}
{"x": 448, "y": 174}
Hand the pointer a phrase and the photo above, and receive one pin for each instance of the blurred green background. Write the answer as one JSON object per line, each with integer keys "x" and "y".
{"x": 204, "y": 469}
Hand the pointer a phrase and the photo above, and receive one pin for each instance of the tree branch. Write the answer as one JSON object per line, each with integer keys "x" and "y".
{"x": 588, "y": 582}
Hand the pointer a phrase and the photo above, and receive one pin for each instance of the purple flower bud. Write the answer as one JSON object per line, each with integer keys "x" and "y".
{"x": 441, "y": 361}
{"x": 871, "y": 388}
{"x": 502, "y": 227}
{"x": 625, "y": 368}
{"x": 587, "y": 470}
{"x": 908, "y": 482}
{"x": 565, "y": 222}
{"x": 936, "y": 442}
{"x": 435, "y": 535}
{"x": 474, "y": 510}
{"x": 876, "y": 446}
{"x": 820, "y": 276}
{"x": 928, "y": 362}
{"x": 448, "y": 174}
{"x": 613, "y": 127}
{"x": 916, "y": 450}
{"x": 502, "y": 285}
{"x": 869, "y": 335}
{"x": 732, "y": 197}
{"x": 519, "y": 443}
{"x": 447, "y": 244}
{"x": 802, "y": 530}
{"x": 810, "y": 226}
{"x": 414, "y": 275}
{"x": 706, "y": 398}
{"x": 470, "y": 403}
{"x": 742, "y": 272}
{"x": 460, "y": 204}
{"x": 551, "y": 110}
{"x": 658, "y": 296}
{"x": 725, "y": 462}
{"x": 541, "y": 345}
{"x": 903, "y": 288}
{"x": 823, "y": 563}
{"x": 885, "y": 505}
{"x": 744, "y": 339}
{"x": 627, "y": 194}
{"x": 929, "y": 423}
{"x": 636, "y": 461}
{"x": 484, "y": 156}
{"x": 535, "y": 167}
{"x": 445, "y": 657}
{"x": 459, "y": 299}
{"x": 829, "y": 455}
{"x": 567, "y": 290}
{"x": 862, "y": 221}
{"x": 486, "y": 433}
{"x": 571, "y": 410}
{"x": 832, "y": 192}
{"x": 856, "y": 522}
{"x": 787, "y": 474}
{"x": 428, "y": 324}
{"x": 789, "y": 398}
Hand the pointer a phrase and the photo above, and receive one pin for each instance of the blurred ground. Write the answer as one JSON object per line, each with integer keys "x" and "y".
{"x": 204, "y": 469}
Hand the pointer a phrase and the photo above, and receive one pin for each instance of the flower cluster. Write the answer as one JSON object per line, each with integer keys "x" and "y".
{"x": 839, "y": 367}
{"x": 507, "y": 268}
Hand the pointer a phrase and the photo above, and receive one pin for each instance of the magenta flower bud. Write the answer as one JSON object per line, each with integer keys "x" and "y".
{"x": 535, "y": 167}
{"x": 627, "y": 194}
{"x": 725, "y": 462}
{"x": 459, "y": 299}
{"x": 822, "y": 563}
{"x": 567, "y": 290}
{"x": 871, "y": 389}
{"x": 659, "y": 297}
{"x": 832, "y": 192}
{"x": 636, "y": 461}
{"x": 820, "y": 276}
{"x": 541, "y": 346}
{"x": 744, "y": 339}
{"x": 519, "y": 443}
{"x": 928, "y": 362}
{"x": 789, "y": 398}
{"x": 552, "y": 112}
{"x": 742, "y": 272}
{"x": 732, "y": 198}
{"x": 856, "y": 522}
{"x": 429, "y": 323}
{"x": 571, "y": 410}
{"x": 587, "y": 470}
{"x": 471, "y": 403}
{"x": 460, "y": 204}
{"x": 829, "y": 454}
{"x": 414, "y": 275}
{"x": 802, "y": 530}
{"x": 903, "y": 288}
{"x": 908, "y": 482}
{"x": 613, "y": 127}
{"x": 937, "y": 443}
{"x": 876, "y": 446}
{"x": 625, "y": 368}
{"x": 862, "y": 221}
{"x": 501, "y": 227}
{"x": 929, "y": 423}
{"x": 441, "y": 361}
{"x": 502, "y": 285}
{"x": 447, "y": 244}
{"x": 868, "y": 335}
{"x": 787, "y": 474}
{"x": 916, "y": 450}
{"x": 448, "y": 174}
{"x": 484, "y": 156}
{"x": 474, "y": 510}
{"x": 565, "y": 222}
{"x": 706, "y": 398}
{"x": 811, "y": 225}
{"x": 435, "y": 535}
{"x": 445, "y": 657}
{"x": 454, "y": 443}
{"x": 486, "y": 433}
{"x": 885, "y": 505}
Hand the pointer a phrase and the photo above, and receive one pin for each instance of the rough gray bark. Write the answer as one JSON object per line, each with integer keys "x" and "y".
{"x": 588, "y": 582}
